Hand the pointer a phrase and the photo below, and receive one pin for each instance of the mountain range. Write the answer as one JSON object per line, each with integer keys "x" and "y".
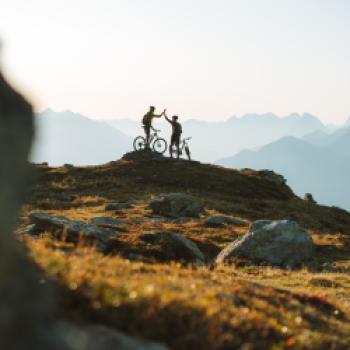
{"x": 67, "y": 137}
{"x": 318, "y": 163}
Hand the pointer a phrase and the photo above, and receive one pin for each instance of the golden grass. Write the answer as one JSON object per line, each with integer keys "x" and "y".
{"x": 197, "y": 308}
{"x": 242, "y": 306}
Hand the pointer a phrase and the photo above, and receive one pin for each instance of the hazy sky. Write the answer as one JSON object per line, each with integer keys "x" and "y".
{"x": 207, "y": 59}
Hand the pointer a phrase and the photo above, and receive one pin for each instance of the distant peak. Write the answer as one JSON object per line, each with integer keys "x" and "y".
{"x": 258, "y": 117}
{"x": 47, "y": 111}
{"x": 309, "y": 116}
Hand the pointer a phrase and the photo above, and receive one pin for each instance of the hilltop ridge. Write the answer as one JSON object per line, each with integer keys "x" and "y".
{"x": 139, "y": 175}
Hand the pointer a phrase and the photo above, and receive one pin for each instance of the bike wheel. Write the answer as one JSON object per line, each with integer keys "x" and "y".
{"x": 159, "y": 145}
{"x": 139, "y": 143}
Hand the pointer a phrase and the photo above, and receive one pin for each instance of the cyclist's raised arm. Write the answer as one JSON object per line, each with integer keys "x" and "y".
{"x": 167, "y": 119}
{"x": 159, "y": 115}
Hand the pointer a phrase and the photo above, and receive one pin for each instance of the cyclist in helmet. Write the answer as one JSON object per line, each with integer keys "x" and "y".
{"x": 147, "y": 122}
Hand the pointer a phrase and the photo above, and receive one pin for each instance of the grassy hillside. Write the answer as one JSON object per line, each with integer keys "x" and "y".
{"x": 142, "y": 289}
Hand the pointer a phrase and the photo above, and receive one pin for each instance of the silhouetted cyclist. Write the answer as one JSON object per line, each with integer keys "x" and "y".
{"x": 175, "y": 134}
{"x": 147, "y": 122}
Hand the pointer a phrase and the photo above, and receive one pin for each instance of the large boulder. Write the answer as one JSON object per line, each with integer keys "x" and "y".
{"x": 281, "y": 243}
{"x": 176, "y": 205}
{"x": 222, "y": 220}
{"x": 174, "y": 246}
{"x": 73, "y": 230}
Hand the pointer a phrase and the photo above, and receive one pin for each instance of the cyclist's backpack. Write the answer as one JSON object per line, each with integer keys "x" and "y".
{"x": 178, "y": 128}
{"x": 145, "y": 119}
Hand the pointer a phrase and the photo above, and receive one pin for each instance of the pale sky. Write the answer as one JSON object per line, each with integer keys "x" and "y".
{"x": 207, "y": 59}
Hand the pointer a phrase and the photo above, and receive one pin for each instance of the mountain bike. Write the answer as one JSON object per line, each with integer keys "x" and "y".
{"x": 156, "y": 143}
{"x": 184, "y": 146}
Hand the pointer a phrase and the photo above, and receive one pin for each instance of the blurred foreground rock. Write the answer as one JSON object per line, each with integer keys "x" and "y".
{"x": 97, "y": 337}
{"x": 281, "y": 243}
{"x": 25, "y": 303}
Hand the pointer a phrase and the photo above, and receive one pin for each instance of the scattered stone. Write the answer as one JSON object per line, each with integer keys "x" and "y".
{"x": 99, "y": 337}
{"x": 134, "y": 257}
{"x": 309, "y": 198}
{"x": 176, "y": 205}
{"x": 74, "y": 230}
{"x": 175, "y": 246}
{"x": 136, "y": 221}
{"x": 180, "y": 220}
{"x": 30, "y": 230}
{"x": 108, "y": 222}
{"x": 67, "y": 198}
{"x": 118, "y": 206}
{"x": 281, "y": 243}
{"x": 222, "y": 220}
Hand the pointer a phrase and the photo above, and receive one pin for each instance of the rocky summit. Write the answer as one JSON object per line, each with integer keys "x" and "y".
{"x": 148, "y": 252}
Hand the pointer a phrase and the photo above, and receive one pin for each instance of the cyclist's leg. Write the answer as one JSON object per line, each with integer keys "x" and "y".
{"x": 172, "y": 142}
{"x": 177, "y": 143}
{"x": 147, "y": 133}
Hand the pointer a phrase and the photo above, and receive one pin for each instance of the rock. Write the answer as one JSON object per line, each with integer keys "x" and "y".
{"x": 30, "y": 230}
{"x": 68, "y": 166}
{"x": 75, "y": 230}
{"x": 26, "y": 305}
{"x": 144, "y": 155}
{"x": 222, "y": 220}
{"x": 180, "y": 220}
{"x": 282, "y": 243}
{"x": 118, "y": 206}
{"x": 176, "y": 205}
{"x": 99, "y": 337}
{"x": 136, "y": 221}
{"x": 175, "y": 246}
{"x": 309, "y": 198}
{"x": 108, "y": 222}
{"x": 272, "y": 176}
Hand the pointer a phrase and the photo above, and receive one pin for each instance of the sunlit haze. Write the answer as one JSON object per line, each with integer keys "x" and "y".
{"x": 202, "y": 59}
